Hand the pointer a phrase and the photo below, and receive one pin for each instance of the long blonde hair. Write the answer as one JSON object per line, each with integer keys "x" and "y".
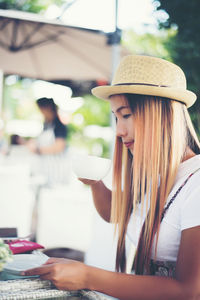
{"x": 163, "y": 130}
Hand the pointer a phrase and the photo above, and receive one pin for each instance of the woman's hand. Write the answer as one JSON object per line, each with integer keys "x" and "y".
{"x": 31, "y": 145}
{"x": 65, "y": 274}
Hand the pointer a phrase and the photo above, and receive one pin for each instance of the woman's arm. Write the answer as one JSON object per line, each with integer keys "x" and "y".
{"x": 57, "y": 147}
{"x": 71, "y": 275}
{"x": 186, "y": 286}
{"x": 101, "y": 197}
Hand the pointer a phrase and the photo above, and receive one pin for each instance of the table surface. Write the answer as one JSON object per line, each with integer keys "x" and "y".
{"x": 35, "y": 288}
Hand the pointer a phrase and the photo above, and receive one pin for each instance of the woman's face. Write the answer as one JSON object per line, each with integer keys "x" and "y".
{"x": 124, "y": 120}
{"x": 48, "y": 114}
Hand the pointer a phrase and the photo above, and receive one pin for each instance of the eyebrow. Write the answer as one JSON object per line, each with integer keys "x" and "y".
{"x": 120, "y": 108}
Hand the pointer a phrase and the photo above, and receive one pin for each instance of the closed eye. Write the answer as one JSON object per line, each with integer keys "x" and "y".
{"x": 126, "y": 116}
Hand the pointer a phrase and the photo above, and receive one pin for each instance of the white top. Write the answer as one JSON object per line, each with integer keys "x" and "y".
{"x": 183, "y": 213}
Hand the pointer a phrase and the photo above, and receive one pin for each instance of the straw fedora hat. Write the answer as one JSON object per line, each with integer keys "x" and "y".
{"x": 146, "y": 75}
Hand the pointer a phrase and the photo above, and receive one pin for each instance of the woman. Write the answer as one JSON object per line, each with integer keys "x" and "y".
{"x": 50, "y": 145}
{"x": 53, "y": 137}
{"x": 155, "y": 193}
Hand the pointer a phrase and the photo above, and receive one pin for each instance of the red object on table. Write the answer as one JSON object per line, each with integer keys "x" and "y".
{"x": 22, "y": 246}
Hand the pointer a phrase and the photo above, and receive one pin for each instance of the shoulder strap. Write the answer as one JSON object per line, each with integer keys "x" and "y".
{"x": 177, "y": 192}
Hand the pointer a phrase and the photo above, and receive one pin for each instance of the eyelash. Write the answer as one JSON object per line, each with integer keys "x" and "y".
{"x": 125, "y": 117}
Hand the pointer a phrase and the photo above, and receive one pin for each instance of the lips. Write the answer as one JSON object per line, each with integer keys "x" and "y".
{"x": 128, "y": 144}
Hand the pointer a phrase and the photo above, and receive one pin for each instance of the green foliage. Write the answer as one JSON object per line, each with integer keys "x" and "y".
{"x": 18, "y": 100}
{"x": 5, "y": 254}
{"x": 184, "y": 47}
{"x": 95, "y": 111}
{"x": 35, "y": 6}
{"x": 147, "y": 43}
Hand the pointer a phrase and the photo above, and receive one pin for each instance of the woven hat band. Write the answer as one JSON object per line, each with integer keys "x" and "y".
{"x": 148, "y": 84}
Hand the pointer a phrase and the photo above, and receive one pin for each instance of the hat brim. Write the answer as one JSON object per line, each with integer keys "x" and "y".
{"x": 184, "y": 96}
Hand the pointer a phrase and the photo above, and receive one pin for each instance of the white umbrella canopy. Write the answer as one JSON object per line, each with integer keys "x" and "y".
{"x": 34, "y": 47}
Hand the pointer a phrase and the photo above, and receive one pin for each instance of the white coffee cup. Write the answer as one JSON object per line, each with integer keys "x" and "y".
{"x": 90, "y": 167}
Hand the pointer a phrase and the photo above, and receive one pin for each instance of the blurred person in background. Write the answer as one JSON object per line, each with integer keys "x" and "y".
{"x": 53, "y": 137}
{"x": 51, "y": 143}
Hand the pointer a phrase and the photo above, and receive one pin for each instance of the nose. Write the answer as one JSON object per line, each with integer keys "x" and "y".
{"x": 121, "y": 130}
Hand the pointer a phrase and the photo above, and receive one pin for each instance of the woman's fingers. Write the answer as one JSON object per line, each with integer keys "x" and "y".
{"x": 36, "y": 271}
{"x": 53, "y": 260}
{"x": 46, "y": 277}
{"x": 64, "y": 274}
{"x": 88, "y": 181}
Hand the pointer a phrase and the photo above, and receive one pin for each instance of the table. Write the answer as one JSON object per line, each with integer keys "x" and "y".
{"x": 35, "y": 288}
